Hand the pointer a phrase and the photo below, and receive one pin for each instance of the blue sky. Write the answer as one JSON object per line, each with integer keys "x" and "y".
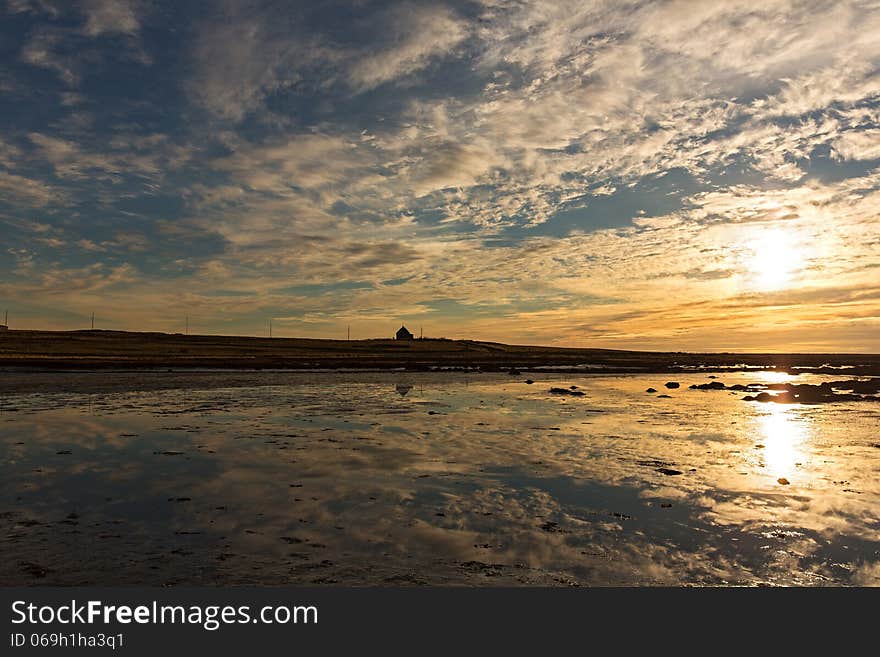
{"x": 671, "y": 175}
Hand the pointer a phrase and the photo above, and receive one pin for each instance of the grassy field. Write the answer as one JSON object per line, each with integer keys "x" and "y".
{"x": 128, "y": 350}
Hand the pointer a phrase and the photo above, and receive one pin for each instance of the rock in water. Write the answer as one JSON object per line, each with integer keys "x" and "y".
{"x": 713, "y": 385}
{"x": 673, "y": 384}
{"x": 566, "y": 391}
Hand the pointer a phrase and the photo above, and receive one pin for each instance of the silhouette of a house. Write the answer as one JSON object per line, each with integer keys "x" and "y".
{"x": 404, "y": 334}
{"x": 3, "y": 327}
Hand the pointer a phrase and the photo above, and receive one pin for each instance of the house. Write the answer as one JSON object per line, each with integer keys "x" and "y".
{"x": 3, "y": 327}
{"x": 404, "y": 334}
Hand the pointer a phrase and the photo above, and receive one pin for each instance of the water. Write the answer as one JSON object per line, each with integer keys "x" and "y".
{"x": 437, "y": 479}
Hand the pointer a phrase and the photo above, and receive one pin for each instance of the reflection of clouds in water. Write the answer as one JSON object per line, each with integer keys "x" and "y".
{"x": 867, "y": 574}
{"x": 362, "y": 484}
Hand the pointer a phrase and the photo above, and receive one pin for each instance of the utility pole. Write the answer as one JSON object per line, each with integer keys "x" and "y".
{"x": 6, "y": 319}
{"x": 187, "y": 324}
{"x": 349, "y": 332}
{"x": 421, "y": 333}
{"x": 270, "y": 328}
{"x": 93, "y": 321}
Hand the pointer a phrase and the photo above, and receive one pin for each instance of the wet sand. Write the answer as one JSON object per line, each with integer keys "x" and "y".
{"x": 432, "y": 479}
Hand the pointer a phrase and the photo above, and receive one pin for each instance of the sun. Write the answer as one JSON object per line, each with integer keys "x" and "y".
{"x": 773, "y": 260}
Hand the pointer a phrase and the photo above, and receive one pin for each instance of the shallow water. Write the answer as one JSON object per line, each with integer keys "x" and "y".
{"x": 439, "y": 479}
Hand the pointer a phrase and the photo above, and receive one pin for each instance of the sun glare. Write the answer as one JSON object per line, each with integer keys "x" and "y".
{"x": 783, "y": 436}
{"x": 774, "y": 260}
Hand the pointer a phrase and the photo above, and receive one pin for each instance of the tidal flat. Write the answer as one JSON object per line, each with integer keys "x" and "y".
{"x": 436, "y": 479}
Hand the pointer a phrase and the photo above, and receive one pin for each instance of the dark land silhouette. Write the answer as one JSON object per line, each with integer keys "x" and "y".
{"x": 98, "y": 349}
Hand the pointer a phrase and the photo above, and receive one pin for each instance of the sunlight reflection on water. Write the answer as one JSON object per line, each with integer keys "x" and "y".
{"x": 784, "y": 436}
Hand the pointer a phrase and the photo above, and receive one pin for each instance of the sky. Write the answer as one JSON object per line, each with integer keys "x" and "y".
{"x": 678, "y": 175}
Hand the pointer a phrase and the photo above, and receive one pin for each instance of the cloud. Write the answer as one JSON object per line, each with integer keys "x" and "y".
{"x": 99, "y": 16}
{"x": 67, "y": 50}
{"x": 858, "y": 145}
{"x": 149, "y": 157}
{"x": 49, "y": 7}
{"x": 28, "y": 191}
{"x": 450, "y": 164}
{"x": 41, "y": 51}
{"x": 111, "y": 17}
{"x": 369, "y": 256}
{"x": 247, "y": 52}
{"x": 309, "y": 161}
{"x": 640, "y": 90}
{"x": 419, "y": 34}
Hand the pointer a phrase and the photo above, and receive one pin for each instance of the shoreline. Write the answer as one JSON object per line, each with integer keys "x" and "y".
{"x": 56, "y": 351}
